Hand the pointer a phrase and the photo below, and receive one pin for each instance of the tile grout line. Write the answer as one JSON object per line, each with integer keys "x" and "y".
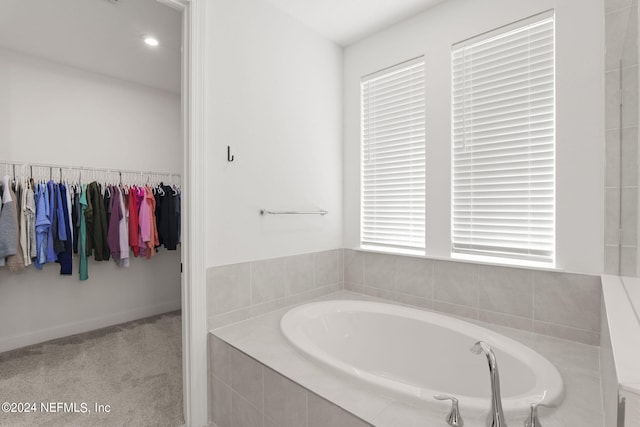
{"x": 264, "y": 402}
{"x": 250, "y": 284}
{"x": 313, "y": 272}
{"x": 477, "y": 292}
{"x": 306, "y": 403}
{"x": 364, "y": 271}
{"x": 433, "y": 280}
{"x": 533, "y": 301}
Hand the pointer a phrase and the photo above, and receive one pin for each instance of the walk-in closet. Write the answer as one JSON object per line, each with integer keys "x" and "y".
{"x": 91, "y": 143}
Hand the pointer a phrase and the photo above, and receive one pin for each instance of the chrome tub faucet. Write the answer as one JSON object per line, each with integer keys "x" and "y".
{"x": 496, "y": 416}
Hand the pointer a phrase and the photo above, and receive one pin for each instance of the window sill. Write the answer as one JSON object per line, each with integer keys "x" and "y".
{"x": 504, "y": 262}
{"x": 471, "y": 259}
{"x": 392, "y": 251}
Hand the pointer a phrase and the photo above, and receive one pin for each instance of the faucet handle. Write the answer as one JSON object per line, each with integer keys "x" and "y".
{"x": 532, "y": 420}
{"x": 454, "y": 418}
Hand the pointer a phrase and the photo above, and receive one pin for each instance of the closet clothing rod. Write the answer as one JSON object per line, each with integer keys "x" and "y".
{"x": 85, "y": 168}
{"x": 268, "y": 212}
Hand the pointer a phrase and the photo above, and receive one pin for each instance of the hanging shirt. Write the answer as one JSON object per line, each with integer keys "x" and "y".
{"x": 62, "y": 217}
{"x": 113, "y": 234}
{"x": 82, "y": 236}
{"x": 14, "y": 262}
{"x": 178, "y": 215}
{"x": 95, "y": 217}
{"x": 59, "y": 234}
{"x": 124, "y": 232}
{"x": 107, "y": 203}
{"x": 159, "y": 197}
{"x": 133, "y": 221}
{"x": 51, "y": 253}
{"x": 30, "y": 214}
{"x": 168, "y": 219}
{"x": 66, "y": 256}
{"x": 22, "y": 222}
{"x": 144, "y": 221}
{"x": 75, "y": 216}
{"x": 8, "y": 223}
{"x": 97, "y": 235}
{"x": 42, "y": 226}
{"x": 70, "y": 222}
{"x": 154, "y": 242}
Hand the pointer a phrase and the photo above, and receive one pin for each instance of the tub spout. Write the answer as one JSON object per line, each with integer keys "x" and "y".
{"x": 496, "y": 416}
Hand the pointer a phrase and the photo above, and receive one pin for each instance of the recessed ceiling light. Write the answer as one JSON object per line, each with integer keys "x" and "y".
{"x": 151, "y": 41}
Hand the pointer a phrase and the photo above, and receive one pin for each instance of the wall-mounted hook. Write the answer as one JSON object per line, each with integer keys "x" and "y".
{"x": 230, "y": 158}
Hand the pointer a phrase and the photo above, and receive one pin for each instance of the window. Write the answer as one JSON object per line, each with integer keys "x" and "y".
{"x": 503, "y": 134}
{"x": 393, "y": 157}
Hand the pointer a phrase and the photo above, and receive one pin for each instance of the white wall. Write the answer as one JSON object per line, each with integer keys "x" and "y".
{"x": 274, "y": 96}
{"x": 50, "y": 113}
{"x": 580, "y": 106}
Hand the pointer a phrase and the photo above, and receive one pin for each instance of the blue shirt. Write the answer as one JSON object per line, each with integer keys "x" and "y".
{"x": 43, "y": 223}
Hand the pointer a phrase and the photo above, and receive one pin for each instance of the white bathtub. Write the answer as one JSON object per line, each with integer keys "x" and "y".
{"x": 416, "y": 354}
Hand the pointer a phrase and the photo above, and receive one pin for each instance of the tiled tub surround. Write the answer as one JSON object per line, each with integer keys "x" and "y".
{"x": 246, "y": 393}
{"x": 258, "y": 379}
{"x": 238, "y": 291}
{"x": 563, "y": 305}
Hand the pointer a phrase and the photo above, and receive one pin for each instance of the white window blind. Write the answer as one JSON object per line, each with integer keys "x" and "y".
{"x": 393, "y": 157}
{"x": 503, "y": 133}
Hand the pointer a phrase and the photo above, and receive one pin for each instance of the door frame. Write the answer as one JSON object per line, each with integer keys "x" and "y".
{"x": 194, "y": 291}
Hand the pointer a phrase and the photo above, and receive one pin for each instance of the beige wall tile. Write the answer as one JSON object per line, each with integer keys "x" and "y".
{"x": 379, "y": 271}
{"x": 325, "y": 266}
{"x": 354, "y": 267}
{"x": 506, "y": 290}
{"x": 456, "y": 283}
{"x": 267, "y": 280}
{"x": 324, "y": 414}
{"x": 414, "y": 276}
{"x": 243, "y": 414}
{"x": 299, "y": 274}
{"x": 220, "y": 403}
{"x": 285, "y": 402}
{"x": 228, "y": 288}
{"x": 568, "y": 299}
{"x": 246, "y": 377}
{"x": 219, "y": 356}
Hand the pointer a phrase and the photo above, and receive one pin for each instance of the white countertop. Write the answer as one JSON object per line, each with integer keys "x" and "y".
{"x": 260, "y": 337}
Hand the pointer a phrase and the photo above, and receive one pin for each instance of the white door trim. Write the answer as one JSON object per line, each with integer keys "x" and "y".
{"x": 194, "y": 291}
{"x": 194, "y": 299}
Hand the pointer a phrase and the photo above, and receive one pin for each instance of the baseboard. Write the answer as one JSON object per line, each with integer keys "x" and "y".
{"x": 86, "y": 325}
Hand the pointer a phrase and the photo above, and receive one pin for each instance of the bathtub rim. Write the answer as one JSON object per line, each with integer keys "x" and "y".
{"x": 513, "y": 405}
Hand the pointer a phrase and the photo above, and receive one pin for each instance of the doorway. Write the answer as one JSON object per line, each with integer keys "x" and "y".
{"x": 194, "y": 326}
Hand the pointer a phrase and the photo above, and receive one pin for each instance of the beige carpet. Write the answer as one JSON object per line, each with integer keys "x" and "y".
{"x": 135, "y": 368}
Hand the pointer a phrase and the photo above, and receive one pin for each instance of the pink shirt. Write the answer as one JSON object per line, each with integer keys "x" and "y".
{"x": 144, "y": 223}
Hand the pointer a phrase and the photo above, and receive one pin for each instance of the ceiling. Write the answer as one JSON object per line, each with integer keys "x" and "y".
{"x": 347, "y": 21}
{"x": 105, "y": 36}
{"x": 98, "y": 35}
